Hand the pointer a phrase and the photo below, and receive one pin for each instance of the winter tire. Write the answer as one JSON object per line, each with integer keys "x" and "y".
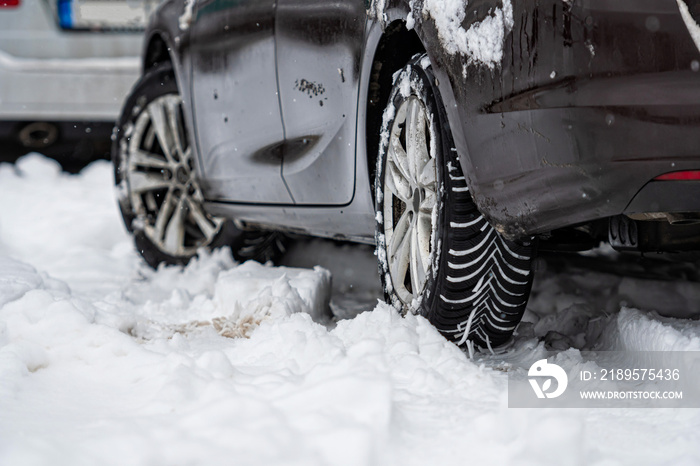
{"x": 438, "y": 256}
{"x": 158, "y": 189}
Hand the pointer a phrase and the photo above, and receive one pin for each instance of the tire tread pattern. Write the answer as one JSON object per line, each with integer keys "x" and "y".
{"x": 483, "y": 280}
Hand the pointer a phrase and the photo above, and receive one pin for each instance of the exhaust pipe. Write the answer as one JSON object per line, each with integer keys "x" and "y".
{"x": 38, "y": 135}
{"x": 674, "y": 218}
{"x": 683, "y": 218}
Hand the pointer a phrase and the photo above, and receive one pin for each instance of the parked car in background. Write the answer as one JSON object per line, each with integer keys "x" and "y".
{"x": 456, "y": 136}
{"x": 65, "y": 68}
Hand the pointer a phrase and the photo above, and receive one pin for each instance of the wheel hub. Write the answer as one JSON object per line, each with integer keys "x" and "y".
{"x": 416, "y": 200}
{"x": 183, "y": 175}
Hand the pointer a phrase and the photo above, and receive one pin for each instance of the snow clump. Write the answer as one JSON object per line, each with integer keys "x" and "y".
{"x": 483, "y": 42}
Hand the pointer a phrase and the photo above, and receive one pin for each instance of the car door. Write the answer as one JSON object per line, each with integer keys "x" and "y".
{"x": 319, "y": 48}
{"x": 235, "y": 103}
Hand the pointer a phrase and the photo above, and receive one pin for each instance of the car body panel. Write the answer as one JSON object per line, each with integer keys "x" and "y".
{"x": 354, "y": 222}
{"x": 240, "y": 144}
{"x": 319, "y": 48}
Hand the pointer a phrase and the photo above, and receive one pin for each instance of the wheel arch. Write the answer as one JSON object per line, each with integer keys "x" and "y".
{"x": 156, "y": 52}
{"x": 388, "y": 58}
{"x": 164, "y": 38}
{"x": 422, "y": 38}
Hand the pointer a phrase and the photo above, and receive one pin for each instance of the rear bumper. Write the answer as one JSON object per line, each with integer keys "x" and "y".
{"x": 64, "y": 89}
{"x": 593, "y": 101}
{"x": 585, "y": 148}
{"x": 666, "y": 196}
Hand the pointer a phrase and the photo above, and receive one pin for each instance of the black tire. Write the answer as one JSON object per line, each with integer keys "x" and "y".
{"x": 171, "y": 188}
{"x": 477, "y": 283}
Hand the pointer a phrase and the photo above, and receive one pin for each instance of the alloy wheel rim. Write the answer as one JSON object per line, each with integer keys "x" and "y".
{"x": 163, "y": 189}
{"x": 410, "y": 201}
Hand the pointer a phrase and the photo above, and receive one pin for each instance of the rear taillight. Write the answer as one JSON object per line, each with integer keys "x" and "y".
{"x": 9, "y": 3}
{"x": 688, "y": 175}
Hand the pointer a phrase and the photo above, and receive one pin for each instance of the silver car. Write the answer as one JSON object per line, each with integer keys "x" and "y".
{"x": 66, "y": 66}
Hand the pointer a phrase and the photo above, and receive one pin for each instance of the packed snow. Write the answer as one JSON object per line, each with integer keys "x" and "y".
{"x": 377, "y": 10}
{"x": 185, "y": 20}
{"x": 690, "y": 23}
{"x": 483, "y": 41}
{"x": 105, "y": 361}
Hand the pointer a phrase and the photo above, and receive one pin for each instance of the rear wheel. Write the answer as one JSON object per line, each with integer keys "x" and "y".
{"x": 159, "y": 192}
{"x": 438, "y": 255}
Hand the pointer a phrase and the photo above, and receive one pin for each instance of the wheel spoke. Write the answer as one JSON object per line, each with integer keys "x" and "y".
{"x": 416, "y": 142}
{"x": 164, "y": 215}
{"x": 400, "y": 249}
{"x": 175, "y": 231}
{"x": 400, "y": 235}
{"x": 397, "y": 156}
{"x": 424, "y": 229}
{"x": 427, "y": 178}
{"x": 149, "y": 199}
{"x": 140, "y": 182}
{"x": 400, "y": 265}
{"x": 399, "y": 269}
{"x": 156, "y": 111}
{"x": 172, "y": 107}
{"x": 150, "y": 137}
{"x": 147, "y": 160}
{"x": 206, "y": 226}
{"x": 396, "y": 183}
{"x": 187, "y": 154}
{"x": 417, "y": 266}
{"x": 428, "y": 204}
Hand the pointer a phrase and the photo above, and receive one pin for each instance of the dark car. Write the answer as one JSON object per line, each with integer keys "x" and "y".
{"x": 457, "y": 137}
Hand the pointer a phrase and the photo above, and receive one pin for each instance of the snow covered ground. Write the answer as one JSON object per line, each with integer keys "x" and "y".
{"x": 104, "y": 361}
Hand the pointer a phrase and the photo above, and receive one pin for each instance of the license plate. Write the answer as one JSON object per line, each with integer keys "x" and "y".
{"x": 105, "y": 14}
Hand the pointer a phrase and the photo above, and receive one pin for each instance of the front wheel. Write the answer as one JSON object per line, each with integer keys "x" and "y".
{"x": 438, "y": 256}
{"x": 159, "y": 194}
